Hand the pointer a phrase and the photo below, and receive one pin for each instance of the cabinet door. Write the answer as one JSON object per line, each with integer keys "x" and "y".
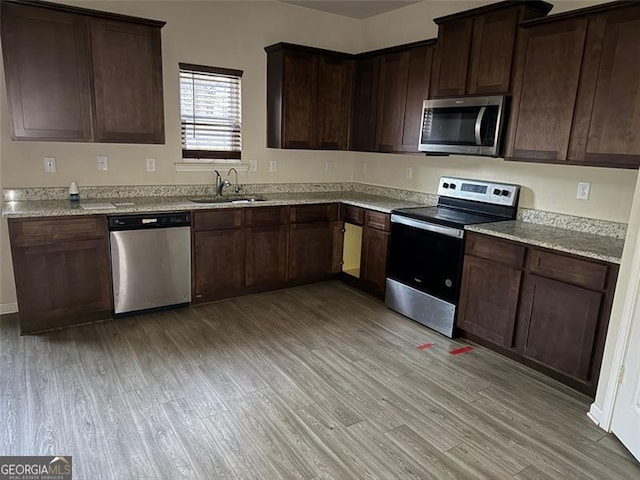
{"x": 62, "y": 283}
{"x": 417, "y": 92}
{"x": 299, "y": 100}
{"x": 492, "y": 48}
{"x": 557, "y": 325}
{"x": 607, "y": 117}
{"x": 451, "y": 62}
{"x": 333, "y": 103}
{"x": 266, "y": 255}
{"x": 310, "y": 250}
{"x": 545, "y": 90}
{"x": 375, "y": 247}
{"x": 218, "y": 263}
{"x": 392, "y": 98}
{"x": 489, "y": 300}
{"x": 365, "y": 103}
{"x": 47, "y": 74}
{"x": 127, "y": 80}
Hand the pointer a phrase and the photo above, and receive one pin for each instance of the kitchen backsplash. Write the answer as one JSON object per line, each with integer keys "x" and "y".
{"x": 581, "y": 224}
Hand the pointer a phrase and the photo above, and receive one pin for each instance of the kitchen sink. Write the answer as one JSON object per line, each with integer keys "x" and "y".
{"x": 215, "y": 200}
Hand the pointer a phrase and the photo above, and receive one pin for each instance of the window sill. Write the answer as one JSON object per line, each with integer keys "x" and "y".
{"x": 209, "y": 167}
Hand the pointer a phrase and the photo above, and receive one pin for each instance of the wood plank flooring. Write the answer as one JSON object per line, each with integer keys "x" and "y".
{"x": 313, "y": 382}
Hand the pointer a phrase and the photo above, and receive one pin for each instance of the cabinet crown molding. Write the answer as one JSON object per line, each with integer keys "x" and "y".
{"x": 87, "y": 11}
{"x": 538, "y": 5}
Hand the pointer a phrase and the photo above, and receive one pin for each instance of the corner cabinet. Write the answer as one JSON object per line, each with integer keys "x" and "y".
{"x": 81, "y": 75}
{"x": 475, "y": 50}
{"x": 62, "y": 271}
{"x": 584, "y": 66}
{"x": 308, "y": 98}
{"x": 547, "y": 309}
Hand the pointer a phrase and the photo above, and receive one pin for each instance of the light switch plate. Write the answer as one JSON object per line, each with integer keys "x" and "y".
{"x": 584, "y": 189}
{"x": 253, "y": 165}
{"x": 327, "y": 166}
{"x": 49, "y": 165}
{"x": 273, "y": 166}
{"x": 151, "y": 164}
{"x": 408, "y": 172}
{"x": 103, "y": 163}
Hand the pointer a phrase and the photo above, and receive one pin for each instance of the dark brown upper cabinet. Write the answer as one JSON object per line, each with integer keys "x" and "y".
{"x": 389, "y": 88}
{"x": 81, "y": 75}
{"x": 576, "y": 88}
{"x": 403, "y": 86}
{"x": 475, "y": 50}
{"x": 308, "y": 98}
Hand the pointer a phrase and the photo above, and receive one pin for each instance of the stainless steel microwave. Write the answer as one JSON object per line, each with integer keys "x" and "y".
{"x": 466, "y": 126}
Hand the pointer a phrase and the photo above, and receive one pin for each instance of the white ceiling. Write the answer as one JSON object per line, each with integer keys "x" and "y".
{"x": 353, "y": 8}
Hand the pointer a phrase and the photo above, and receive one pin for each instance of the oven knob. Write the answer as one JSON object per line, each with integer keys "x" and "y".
{"x": 496, "y": 191}
{"x": 453, "y": 186}
{"x": 445, "y": 185}
{"x": 506, "y": 193}
{"x": 448, "y": 283}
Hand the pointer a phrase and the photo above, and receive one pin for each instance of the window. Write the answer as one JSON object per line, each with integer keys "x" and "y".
{"x": 210, "y": 112}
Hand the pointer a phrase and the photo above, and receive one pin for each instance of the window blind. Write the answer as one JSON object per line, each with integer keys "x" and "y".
{"x": 210, "y": 112}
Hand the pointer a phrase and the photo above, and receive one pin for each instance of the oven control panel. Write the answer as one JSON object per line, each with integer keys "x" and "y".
{"x": 479, "y": 191}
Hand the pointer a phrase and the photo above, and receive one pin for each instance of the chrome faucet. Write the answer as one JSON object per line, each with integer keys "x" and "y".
{"x": 237, "y": 187}
{"x": 220, "y": 183}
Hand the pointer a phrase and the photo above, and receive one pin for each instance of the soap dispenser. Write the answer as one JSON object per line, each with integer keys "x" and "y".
{"x": 74, "y": 193}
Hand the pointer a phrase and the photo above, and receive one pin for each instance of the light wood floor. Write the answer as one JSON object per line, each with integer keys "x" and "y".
{"x": 306, "y": 383}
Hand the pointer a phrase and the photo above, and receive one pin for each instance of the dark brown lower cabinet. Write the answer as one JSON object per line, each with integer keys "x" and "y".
{"x": 489, "y": 300}
{"x": 218, "y": 263}
{"x": 310, "y": 250}
{"x": 62, "y": 271}
{"x": 547, "y": 309}
{"x": 375, "y": 247}
{"x": 557, "y": 325}
{"x": 266, "y": 255}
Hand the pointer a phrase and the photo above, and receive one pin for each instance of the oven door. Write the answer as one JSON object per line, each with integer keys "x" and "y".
{"x": 426, "y": 257}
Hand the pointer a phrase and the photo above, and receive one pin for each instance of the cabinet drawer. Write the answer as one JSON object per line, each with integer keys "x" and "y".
{"x": 265, "y": 216}
{"x": 217, "y": 219}
{"x": 353, "y": 215}
{"x": 35, "y": 232}
{"x": 324, "y": 212}
{"x": 495, "y": 249}
{"x": 377, "y": 220}
{"x": 582, "y": 273}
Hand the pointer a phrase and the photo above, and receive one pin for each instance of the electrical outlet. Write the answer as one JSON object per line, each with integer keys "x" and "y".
{"x": 408, "y": 172}
{"x": 151, "y": 164}
{"x": 253, "y": 165}
{"x": 364, "y": 168}
{"x": 49, "y": 165}
{"x": 103, "y": 163}
{"x": 327, "y": 166}
{"x": 273, "y": 166}
{"x": 584, "y": 189}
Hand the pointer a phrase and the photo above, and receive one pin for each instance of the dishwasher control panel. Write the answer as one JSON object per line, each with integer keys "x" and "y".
{"x": 147, "y": 220}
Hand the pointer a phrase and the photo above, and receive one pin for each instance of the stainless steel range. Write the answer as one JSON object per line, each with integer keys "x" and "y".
{"x": 427, "y": 248}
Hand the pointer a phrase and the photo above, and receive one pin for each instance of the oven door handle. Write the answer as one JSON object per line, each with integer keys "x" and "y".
{"x": 478, "y": 131}
{"x": 431, "y": 227}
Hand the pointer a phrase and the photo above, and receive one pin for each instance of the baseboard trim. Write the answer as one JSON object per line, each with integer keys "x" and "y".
{"x": 595, "y": 414}
{"x": 6, "y": 308}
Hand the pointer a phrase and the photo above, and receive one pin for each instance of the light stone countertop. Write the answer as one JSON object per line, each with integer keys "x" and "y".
{"x": 598, "y": 247}
{"x": 58, "y": 208}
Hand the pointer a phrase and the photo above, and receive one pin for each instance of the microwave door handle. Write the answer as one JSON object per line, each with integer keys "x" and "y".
{"x": 479, "y": 125}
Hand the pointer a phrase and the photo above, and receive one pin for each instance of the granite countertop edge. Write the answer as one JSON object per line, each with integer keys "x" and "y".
{"x": 60, "y": 208}
{"x": 597, "y": 247}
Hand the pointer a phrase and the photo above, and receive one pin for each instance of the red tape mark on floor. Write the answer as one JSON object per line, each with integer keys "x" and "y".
{"x": 424, "y": 346}
{"x": 460, "y": 350}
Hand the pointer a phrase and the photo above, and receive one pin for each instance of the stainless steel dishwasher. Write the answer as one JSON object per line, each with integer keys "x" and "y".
{"x": 150, "y": 261}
